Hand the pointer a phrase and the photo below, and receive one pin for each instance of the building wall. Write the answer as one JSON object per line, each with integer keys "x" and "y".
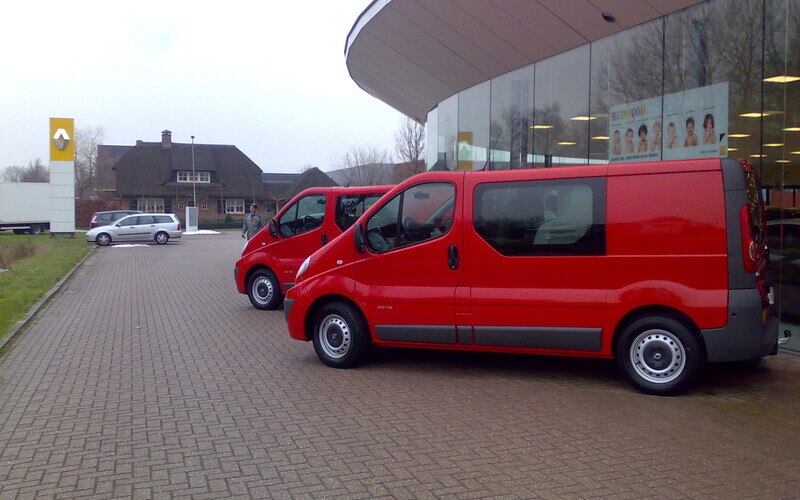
{"x": 724, "y": 62}
{"x": 726, "y": 70}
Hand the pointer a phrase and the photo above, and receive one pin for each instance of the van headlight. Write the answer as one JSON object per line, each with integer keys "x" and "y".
{"x": 303, "y": 267}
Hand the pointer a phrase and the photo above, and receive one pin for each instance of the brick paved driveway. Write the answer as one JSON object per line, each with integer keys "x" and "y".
{"x": 148, "y": 375}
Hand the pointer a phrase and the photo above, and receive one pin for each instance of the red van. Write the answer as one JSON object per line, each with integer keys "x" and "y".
{"x": 659, "y": 265}
{"x": 270, "y": 259}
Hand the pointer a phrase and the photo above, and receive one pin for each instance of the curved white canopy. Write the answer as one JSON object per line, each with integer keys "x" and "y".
{"x": 413, "y": 54}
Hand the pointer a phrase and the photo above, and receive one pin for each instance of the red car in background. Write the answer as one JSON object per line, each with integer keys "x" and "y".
{"x": 310, "y": 220}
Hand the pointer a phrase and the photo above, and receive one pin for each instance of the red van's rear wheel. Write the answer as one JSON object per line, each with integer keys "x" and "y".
{"x": 340, "y": 335}
{"x": 659, "y": 355}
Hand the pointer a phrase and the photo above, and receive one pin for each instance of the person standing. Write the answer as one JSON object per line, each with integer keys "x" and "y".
{"x": 252, "y": 222}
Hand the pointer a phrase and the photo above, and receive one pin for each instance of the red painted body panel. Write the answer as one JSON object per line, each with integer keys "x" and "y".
{"x": 284, "y": 255}
{"x": 666, "y": 246}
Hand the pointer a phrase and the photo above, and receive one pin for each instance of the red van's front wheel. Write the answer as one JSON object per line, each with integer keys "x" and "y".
{"x": 264, "y": 291}
{"x": 340, "y": 335}
{"x": 659, "y": 355}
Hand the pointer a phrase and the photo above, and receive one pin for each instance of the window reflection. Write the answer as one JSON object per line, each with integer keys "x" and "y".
{"x": 473, "y": 128}
{"x": 561, "y": 109}
{"x": 431, "y": 141}
{"x": 627, "y": 71}
{"x": 447, "y": 134}
{"x": 781, "y": 138}
{"x": 511, "y": 135}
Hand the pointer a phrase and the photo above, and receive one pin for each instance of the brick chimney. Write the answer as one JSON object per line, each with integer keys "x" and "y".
{"x": 166, "y": 139}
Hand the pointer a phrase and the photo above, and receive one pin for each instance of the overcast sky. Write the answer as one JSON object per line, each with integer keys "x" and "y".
{"x": 269, "y": 77}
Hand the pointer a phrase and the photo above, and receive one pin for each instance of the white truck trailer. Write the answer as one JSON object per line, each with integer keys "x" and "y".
{"x": 25, "y": 207}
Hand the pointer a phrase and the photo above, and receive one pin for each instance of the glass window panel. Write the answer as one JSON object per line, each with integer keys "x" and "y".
{"x": 447, "y": 134}
{"x": 564, "y": 217}
{"x": 561, "y": 109}
{"x": 473, "y": 127}
{"x": 511, "y": 138}
{"x": 431, "y": 143}
{"x": 310, "y": 212}
{"x": 712, "y": 87}
{"x": 626, "y": 83}
{"x": 781, "y": 145}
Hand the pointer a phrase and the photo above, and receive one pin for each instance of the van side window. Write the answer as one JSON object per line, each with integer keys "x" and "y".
{"x": 307, "y": 214}
{"x": 350, "y": 207}
{"x": 558, "y": 217}
{"x": 420, "y": 213}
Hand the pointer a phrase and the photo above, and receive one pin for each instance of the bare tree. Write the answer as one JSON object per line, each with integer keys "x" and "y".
{"x": 409, "y": 143}
{"x": 36, "y": 171}
{"x": 86, "y": 141}
{"x": 365, "y": 166}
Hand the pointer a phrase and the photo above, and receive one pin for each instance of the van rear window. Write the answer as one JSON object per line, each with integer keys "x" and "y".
{"x": 350, "y": 207}
{"x": 561, "y": 217}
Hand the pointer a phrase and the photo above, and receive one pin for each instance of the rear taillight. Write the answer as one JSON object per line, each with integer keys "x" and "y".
{"x": 179, "y": 226}
{"x": 749, "y": 247}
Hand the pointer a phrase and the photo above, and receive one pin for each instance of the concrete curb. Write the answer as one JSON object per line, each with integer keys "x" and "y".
{"x": 38, "y": 305}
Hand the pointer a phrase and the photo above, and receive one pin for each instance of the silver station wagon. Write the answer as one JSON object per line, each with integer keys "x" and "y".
{"x": 142, "y": 227}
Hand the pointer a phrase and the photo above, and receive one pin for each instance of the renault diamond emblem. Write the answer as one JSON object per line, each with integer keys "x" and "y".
{"x": 61, "y": 139}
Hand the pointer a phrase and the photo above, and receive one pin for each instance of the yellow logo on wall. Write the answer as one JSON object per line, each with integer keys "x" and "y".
{"x": 62, "y": 139}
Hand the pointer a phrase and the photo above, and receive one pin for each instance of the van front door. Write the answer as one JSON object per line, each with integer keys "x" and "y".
{"x": 410, "y": 268}
{"x": 535, "y": 261}
{"x": 300, "y": 230}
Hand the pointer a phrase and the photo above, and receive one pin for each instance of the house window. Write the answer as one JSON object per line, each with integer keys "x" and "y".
{"x": 204, "y": 205}
{"x": 181, "y": 205}
{"x": 234, "y": 205}
{"x": 150, "y": 205}
{"x": 197, "y": 177}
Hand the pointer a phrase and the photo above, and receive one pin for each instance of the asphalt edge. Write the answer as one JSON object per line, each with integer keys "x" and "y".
{"x": 19, "y": 325}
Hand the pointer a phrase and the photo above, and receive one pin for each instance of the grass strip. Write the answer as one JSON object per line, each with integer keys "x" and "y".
{"x": 28, "y": 279}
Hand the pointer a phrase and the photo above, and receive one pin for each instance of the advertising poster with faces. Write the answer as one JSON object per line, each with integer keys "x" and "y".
{"x": 694, "y": 124}
{"x": 635, "y": 131}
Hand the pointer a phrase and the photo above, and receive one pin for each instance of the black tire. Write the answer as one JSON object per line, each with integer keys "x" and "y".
{"x": 103, "y": 239}
{"x": 659, "y": 355}
{"x": 36, "y": 229}
{"x": 162, "y": 238}
{"x": 264, "y": 291}
{"x": 340, "y": 336}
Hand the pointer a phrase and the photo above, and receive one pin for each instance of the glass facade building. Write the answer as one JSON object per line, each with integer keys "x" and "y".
{"x": 717, "y": 79}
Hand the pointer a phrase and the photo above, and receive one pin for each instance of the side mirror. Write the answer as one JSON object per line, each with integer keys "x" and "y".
{"x": 358, "y": 235}
{"x": 273, "y": 231}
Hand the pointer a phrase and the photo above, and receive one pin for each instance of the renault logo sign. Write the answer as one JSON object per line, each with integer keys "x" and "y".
{"x": 61, "y": 139}
{"x": 62, "y": 146}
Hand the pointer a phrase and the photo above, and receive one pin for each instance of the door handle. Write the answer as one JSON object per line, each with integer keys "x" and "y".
{"x": 452, "y": 257}
{"x": 324, "y": 239}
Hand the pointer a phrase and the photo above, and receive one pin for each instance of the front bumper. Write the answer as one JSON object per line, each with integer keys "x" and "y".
{"x": 294, "y": 310}
{"x": 748, "y": 334}
{"x": 238, "y": 278}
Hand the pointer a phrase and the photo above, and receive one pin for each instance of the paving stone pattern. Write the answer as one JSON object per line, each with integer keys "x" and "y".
{"x": 149, "y": 376}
